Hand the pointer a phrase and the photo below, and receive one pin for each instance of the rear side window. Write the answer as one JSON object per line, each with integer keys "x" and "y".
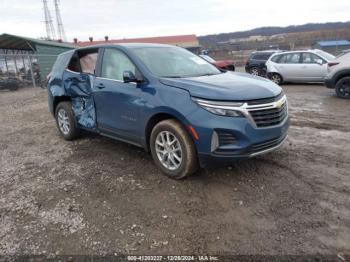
{"x": 115, "y": 63}
{"x": 293, "y": 58}
{"x": 88, "y": 63}
{"x": 84, "y": 61}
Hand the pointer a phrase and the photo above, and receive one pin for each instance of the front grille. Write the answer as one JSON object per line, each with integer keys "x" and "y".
{"x": 269, "y": 117}
{"x": 267, "y": 144}
{"x": 226, "y": 138}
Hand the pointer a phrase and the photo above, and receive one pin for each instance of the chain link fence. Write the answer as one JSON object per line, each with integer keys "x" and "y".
{"x": 22, "y": 69}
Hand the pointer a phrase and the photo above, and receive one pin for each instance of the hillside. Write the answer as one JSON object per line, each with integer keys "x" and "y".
{"x": 212, "y": 40}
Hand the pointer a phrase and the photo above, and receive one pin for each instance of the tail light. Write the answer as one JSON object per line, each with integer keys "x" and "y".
{"x": 247, "y": 62}
{"x": 330, "y": 64}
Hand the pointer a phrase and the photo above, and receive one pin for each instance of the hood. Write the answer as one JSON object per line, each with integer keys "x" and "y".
{"x": 226, "y": 86}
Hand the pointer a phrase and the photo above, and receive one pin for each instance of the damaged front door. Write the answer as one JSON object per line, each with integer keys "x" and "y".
{"x": 79, "y": 87}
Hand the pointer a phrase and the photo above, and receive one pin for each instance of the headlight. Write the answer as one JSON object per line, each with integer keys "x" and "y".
{"x": 220, "y": 108}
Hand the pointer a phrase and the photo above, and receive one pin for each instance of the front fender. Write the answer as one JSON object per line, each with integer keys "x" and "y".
{"x": 337, "y": 76}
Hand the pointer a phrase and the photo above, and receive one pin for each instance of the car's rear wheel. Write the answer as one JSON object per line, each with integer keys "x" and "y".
{"x": 342, "y": 88}
{"x": 65, "y": 120}
{"x": 255, "y": 71}
{"x": 276, "y": 78}
{"x": 173, "y": 150}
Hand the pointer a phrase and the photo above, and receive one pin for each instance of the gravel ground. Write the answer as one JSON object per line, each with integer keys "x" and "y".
{"x": 98, "y": 196}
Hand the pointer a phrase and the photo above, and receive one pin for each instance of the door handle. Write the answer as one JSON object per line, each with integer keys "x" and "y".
{"x": 100, "y": 86}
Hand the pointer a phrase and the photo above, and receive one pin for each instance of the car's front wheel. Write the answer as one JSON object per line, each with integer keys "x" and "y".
{"x": 342, "y": 88}
{"x": 173, "y": 150}
{"x": 65, "y": 120}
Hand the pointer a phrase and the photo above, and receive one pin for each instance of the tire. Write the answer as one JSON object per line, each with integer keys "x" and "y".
{"x": 65, "y": 120}
{"x": 342, "y": 88}
{"x": 255, "y": 71}
{"x": 276, "y": 78}
{"x": 169, "y": 164}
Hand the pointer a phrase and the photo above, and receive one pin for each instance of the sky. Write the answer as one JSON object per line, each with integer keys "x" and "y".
{"x": 145, "y": 18}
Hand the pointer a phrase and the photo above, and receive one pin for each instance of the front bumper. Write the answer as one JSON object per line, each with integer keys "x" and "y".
{"x": 329, "y": 83}
{"x": 243, "y": 154}
{"x": 242, "y": 138}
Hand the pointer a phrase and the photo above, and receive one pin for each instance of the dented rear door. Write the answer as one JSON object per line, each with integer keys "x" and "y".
{"x": 78, "y": 86}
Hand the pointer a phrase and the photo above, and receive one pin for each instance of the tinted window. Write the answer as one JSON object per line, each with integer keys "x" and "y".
{"x": 293, "y": 58}
{"x": 261, "y": 56}
{"x": 115, "y": 63}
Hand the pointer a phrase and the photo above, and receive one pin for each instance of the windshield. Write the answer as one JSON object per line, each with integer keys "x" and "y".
{"x": 174, "y": 62}
{"x": 208, "y": 58}
{"x": 325, "y": 55}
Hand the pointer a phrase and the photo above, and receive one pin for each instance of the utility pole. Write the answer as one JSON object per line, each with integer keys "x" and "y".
{"x": 60, "y": 28}
{"x": 50, "y": 30}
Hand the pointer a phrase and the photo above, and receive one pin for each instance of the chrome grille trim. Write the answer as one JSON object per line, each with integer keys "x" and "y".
{"x": 246, "y": 109}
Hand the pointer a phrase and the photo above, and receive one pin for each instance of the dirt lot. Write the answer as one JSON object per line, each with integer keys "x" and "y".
{"x": 99, "y": 196}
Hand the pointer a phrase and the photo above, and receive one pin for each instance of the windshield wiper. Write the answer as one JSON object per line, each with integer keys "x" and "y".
{"x": 208, "y": 75}
{"x": 172, "y": 76}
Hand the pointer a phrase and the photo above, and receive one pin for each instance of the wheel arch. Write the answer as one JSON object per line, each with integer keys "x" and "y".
{"x": 340, "y": 75}
{"x": 161, "y": 116}
{"x": 270, "y": 75}
{"x": 59, "y": 99}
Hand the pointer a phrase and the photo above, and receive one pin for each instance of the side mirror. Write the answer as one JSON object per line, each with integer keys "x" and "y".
{"x": 129, "y": 77}
{"x": 319, "y": 61}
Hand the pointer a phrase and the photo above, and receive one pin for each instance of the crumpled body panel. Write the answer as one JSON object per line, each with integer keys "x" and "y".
{"x": 79, "y": 88}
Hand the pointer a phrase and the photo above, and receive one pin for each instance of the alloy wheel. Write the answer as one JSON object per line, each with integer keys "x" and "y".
{"x": 63, "y": 121}
{"x": 254, "y": 72}
{"x": 168, "y": 149}
{"x": 276, "y": 79}
{"x": 344, "y": 89}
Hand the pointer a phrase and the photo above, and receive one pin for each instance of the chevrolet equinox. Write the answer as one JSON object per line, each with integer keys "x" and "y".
{"x": 176, "y": 105}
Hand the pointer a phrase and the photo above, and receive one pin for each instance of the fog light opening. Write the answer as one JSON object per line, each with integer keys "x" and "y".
{"x": 214, "y": 141}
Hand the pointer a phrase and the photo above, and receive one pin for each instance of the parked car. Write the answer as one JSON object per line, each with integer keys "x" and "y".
{"x": 176, "y": 105}
{"x": 255, "y": 65}
{"x": 221, "y": 64}
{"x": 298, "y": 66}
{"x": 338, "y": 76}
{"x": 10, "y": 83}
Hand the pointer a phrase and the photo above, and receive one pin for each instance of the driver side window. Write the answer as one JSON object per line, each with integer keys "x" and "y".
{"x": 115, "y": 63}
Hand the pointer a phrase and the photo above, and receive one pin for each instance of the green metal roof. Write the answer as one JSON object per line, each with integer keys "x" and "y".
{"x": 8, "y": 41}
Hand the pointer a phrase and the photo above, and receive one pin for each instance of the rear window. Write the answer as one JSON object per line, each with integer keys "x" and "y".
{"x": 264, "y": 56}
{"x": 276, "y": 58}
{"x": 62, "y": 62}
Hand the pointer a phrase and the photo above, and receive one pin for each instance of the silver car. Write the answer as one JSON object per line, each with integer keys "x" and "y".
{"x": 298, "y": 66}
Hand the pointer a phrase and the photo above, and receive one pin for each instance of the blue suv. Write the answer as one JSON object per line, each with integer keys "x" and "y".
{"x": 163, "y": 98}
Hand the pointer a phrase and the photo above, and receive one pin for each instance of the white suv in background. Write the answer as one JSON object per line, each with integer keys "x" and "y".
{"x": 298, "y": 66}
{"x": 338, "y": 76}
